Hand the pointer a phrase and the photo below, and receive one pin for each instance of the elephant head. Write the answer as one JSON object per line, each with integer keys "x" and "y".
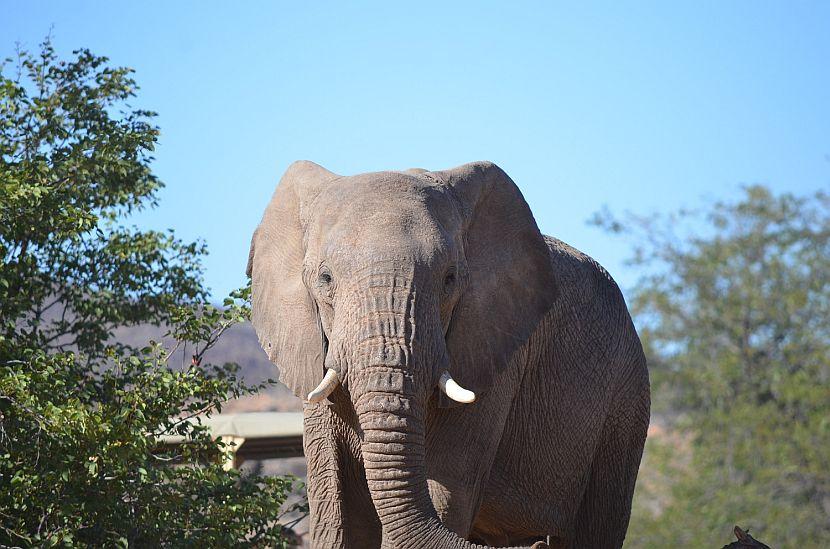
{"x": 389, "y": 286}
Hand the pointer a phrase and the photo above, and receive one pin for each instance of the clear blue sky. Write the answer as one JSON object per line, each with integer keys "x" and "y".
{"x": 639, "y": 106}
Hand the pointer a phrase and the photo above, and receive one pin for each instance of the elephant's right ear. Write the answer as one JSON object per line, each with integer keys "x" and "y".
{"x": 283, "y": 313}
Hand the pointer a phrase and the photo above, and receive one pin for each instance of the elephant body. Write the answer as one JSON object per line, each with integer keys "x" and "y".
{"x": 552, "y": 444}
{"x": 567, "y": 468}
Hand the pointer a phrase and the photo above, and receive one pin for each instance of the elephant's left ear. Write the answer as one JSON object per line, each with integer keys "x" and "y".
{"x": 509, "y": 284}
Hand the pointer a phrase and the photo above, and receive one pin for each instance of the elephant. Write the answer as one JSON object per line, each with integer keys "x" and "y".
{"x": 466, "y": 380}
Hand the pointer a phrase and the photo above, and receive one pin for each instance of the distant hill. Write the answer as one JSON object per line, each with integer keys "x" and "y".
{"x": 240, "y": 345}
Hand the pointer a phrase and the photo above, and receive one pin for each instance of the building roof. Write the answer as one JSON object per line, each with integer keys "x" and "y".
{"x": 257, "y": 424}
{"x": 258, "y": 435}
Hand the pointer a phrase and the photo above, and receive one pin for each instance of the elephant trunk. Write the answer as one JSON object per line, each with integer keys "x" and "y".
{"x": 389, "y": 388}
{"x": 393, "y": 456}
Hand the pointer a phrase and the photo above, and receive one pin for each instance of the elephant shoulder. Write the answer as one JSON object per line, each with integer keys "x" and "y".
{"x": 590, "y": 300}
{"x": 579, "y": 276}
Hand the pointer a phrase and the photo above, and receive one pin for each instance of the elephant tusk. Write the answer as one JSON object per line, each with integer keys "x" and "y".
{"x": 326, "y": 387}
{"x": 455, "y": 391}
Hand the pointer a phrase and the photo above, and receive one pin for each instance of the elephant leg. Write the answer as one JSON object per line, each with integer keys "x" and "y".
{"x": 363, "y": 528}
{"x": 341, "y": 511}
{"x": 603, "y": 516}
{"x": 324, "y": 487}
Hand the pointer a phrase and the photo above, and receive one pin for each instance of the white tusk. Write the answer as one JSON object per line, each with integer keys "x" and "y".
{"x": 454, "y": 390}
{"x": 326, "y": 387}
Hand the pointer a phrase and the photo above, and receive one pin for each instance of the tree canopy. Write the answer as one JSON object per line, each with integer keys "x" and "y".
{"x": 82, "y": 416}
{"x": 733, "y": 314}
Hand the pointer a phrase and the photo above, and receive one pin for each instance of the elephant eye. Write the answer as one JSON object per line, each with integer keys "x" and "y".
{"x": 325, "y": 282}
{"x": 449, "y": 279}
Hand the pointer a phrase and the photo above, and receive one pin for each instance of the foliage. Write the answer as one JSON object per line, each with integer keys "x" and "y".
{"x": 82, "y": 417}
{"x": 734, "y": 321}
{"x": 73, "y": 162}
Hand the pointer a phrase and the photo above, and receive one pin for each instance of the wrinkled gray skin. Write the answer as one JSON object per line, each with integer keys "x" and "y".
{"x": 391, "y": 278}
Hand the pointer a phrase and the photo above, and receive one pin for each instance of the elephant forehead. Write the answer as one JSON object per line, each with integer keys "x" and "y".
{"x": 374, "y": 192}
{"x": 376, "y": 212}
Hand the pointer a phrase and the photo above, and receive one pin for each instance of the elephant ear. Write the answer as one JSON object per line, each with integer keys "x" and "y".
{"x": 283, "y": 312}
{"x": 508, "y": 282}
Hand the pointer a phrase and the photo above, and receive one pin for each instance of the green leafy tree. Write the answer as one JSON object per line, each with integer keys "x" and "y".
{"x": 734, "y": 317}
{"x": 82, "y": 417}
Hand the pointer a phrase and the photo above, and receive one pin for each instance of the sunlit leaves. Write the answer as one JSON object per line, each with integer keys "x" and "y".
{"x": 83, "y": 456}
